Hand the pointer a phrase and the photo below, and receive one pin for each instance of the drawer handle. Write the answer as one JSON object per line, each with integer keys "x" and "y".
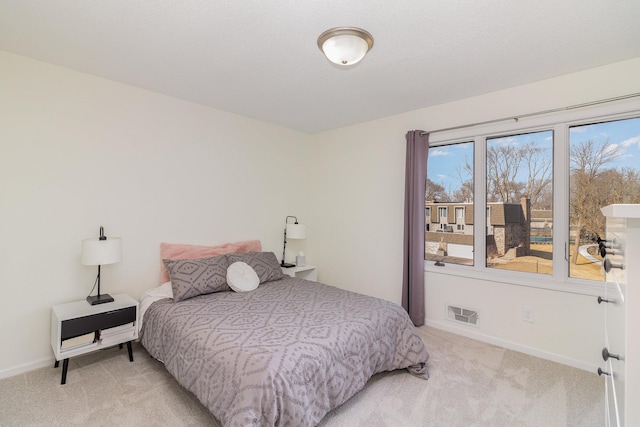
{"x": 604, "y": 251}
{"x": 603, "y": 243}
{"x": 601, "y": 372}
{"x": 601, "y": 300}
{"x": 608, "y": 265}
{"x": 606, "y": 355}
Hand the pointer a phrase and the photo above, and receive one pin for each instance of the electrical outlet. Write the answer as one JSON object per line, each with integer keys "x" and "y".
{"x": 527, "y": 314}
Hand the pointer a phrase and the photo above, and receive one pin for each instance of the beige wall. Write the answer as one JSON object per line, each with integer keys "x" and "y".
{"x": 357, "y": 210}
{"x": 79, "y": 152}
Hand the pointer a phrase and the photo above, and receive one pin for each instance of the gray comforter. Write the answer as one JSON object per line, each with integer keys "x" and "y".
{"x": 282, "y": 355}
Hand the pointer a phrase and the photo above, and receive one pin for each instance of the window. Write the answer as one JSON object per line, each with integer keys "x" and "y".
{"x": 442, "y": 217}
{"x": 537, "y": 187}
{"x": 460, "y": 219}
{"x": 519, "y": 192}
{"x": 427, "y": 218}
{"x": 604, "y": 169}
{"x": 450, "y": 185}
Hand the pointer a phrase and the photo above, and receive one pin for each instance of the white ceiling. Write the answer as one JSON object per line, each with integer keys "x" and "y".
{"x": 259, "y": 58}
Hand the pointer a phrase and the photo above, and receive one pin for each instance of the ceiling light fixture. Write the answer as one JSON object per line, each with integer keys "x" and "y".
{"x": 345, "y": 46}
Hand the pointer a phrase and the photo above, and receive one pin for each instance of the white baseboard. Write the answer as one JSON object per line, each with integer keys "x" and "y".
{"x": 26, "y": 367}
{"x": 473, "y": 333}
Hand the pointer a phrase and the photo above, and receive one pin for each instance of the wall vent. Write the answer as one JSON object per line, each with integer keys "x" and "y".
{"x": 462, "y": 315}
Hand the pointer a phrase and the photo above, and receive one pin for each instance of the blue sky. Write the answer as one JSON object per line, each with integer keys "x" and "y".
{"x": 444, "y": 162}
{"x": 623, "y": 134}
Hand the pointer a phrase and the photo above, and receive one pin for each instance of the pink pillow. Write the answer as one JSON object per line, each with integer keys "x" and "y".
{"x": 181, "y": 251}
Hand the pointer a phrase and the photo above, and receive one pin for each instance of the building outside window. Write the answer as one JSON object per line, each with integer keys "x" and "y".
{"x": 450, "y": 190}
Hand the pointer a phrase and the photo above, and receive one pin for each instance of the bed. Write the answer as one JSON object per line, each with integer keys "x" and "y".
{"x": 282, "y": 354}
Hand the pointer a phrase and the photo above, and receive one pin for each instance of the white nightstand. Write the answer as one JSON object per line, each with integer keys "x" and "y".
{"x": 308, "y": 272}
{"x": 79, "y": 328}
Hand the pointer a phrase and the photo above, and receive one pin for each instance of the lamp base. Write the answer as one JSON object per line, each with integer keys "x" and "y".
{"x": 99, "y": 299}
{"x": 287, "y": 265}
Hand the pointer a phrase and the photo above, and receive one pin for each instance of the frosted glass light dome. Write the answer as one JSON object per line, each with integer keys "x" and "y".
{"x": 345, "y": 45}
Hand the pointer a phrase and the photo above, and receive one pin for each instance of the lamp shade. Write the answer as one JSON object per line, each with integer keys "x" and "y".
{"x": 345, "y": 46}
{"x": 296, "y": 231}
{"x": 101, "y": 252}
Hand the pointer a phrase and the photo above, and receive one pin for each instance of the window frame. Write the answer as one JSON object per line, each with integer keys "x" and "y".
{"x": 559, "y": 123}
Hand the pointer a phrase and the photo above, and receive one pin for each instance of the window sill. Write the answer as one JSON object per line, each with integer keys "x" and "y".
{"x": 541, "y": 281}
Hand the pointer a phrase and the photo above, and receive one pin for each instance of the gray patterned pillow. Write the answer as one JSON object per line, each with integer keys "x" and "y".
{"x": 265, "y": 264}
{"x": 193, "y": 277}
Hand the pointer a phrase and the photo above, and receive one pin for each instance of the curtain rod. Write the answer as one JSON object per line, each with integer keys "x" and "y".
{"x": 537, "y": 113}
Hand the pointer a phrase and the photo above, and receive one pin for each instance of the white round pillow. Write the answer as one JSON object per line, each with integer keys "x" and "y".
{"x": 241, "y": 277}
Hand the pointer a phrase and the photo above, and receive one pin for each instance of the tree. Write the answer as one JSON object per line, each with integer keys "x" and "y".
{"x": 589, "y": 188}
{"x": 464, "y": 192}
{"x": 621, "y": 185}
{"x": 545, "y": 199}
{"x": 539, "y": 171}
{"x": 435, "y": 192}
{"x": 503, "y": 162}
{"x": 504, "y": 173}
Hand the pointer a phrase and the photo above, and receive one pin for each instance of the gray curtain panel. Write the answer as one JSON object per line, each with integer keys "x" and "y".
{"x": 414, "y": 194}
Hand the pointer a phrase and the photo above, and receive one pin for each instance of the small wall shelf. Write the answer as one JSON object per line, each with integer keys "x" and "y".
{"x": 308, "y": 272}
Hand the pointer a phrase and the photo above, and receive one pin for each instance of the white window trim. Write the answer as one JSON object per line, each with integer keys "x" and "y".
{"x": 559, "y": 123}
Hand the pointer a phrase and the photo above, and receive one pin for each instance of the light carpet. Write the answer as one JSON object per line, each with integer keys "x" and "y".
{"x": 471, "y": 384}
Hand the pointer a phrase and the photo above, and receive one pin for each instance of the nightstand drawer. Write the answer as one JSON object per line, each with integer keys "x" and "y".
{"x": 83, "y": 325}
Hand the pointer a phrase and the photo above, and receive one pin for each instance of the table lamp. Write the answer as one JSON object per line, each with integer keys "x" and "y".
{"x": 293, "y": 231}
{"x": 101, "y": 251}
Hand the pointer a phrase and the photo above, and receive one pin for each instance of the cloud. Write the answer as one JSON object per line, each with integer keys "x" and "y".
{"x": 610, "y": 148}
{"x": 504, "y": 141}
{"x": 631, "y": 141}
{"x": 438, "y": 152}
{"x": 580, "y": 129}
